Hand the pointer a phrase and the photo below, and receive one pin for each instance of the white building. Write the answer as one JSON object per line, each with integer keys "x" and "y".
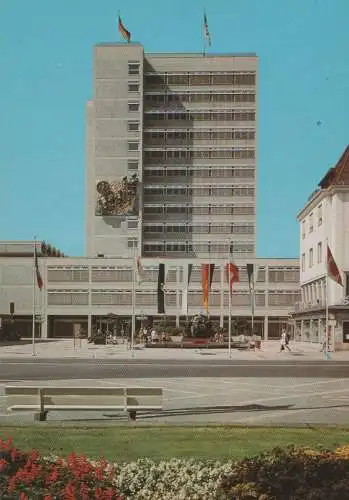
{"x": 325, "y": 220}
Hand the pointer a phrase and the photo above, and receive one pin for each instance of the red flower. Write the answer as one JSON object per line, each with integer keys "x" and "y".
{"x": 14, "y": 454}
{"x": 69, "y": 492}
{"x": 109, "y": 494}
{"x": 52, "y": 477}
{"x": 99, "y": 494}
{"x": 23, "y": 496}
{"x": 34, "y": 456}
{"x": 47, "y": 497}
{"x": 84, "y": 491}
{"x": 6, "y": 445}
{"x": 3, "y": 464}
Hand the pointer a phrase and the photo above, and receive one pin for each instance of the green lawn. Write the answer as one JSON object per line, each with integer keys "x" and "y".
{"x": 121, "y": 443}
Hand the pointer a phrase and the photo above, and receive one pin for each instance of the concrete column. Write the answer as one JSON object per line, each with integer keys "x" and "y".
{"x": 302, "y": 330}
{"x": 311, "y": 328}
{"x": 177, "y": 320}
{"x": 89, "y": 325}
{"x": 221, "y": 316}
{"x": 44, "y": 326}
{"x": 319, "y": 336}
{"x": 266, "y": 327}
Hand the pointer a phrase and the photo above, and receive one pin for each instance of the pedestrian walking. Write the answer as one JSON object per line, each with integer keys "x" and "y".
{"x": 284, "y": 341}
{"x": 287, "y": 341}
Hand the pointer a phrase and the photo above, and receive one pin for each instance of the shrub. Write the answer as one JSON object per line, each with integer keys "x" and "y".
{"x": 278, "y": 475}
{"x": 76, "y": 478}
{"x": 290, "y": 474}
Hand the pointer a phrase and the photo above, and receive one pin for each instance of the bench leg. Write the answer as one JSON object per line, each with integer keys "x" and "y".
{"x": 132, "y": 414}
{"x": 41, "y": 416}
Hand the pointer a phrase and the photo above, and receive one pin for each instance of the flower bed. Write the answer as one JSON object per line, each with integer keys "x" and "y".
{"x": 278, "y": 475}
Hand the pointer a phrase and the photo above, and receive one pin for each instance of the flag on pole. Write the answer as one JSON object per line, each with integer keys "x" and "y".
{"x": 186, "y": 280}
{"x": 207, "y": 34}
{"x": 231, "y": 275}
{"x": 39, "y": 279}
{"x": 207, "y": 271}
{"x": 251, "y": 277}
{"x": 332, "y": 268}
{"x": 161, "y": 290}
{"x": 251, "y": 283}
{"x": 140, "y": 270}
{"x": 123, "y": 31}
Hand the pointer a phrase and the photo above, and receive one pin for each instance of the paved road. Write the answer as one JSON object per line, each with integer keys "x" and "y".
{"x": 63, "y": 369}
{"x": 252, "y": 401}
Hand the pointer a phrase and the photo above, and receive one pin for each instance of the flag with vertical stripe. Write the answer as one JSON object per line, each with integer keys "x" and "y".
{"x": 207, "y": 271}
{"x": 161, "y": 289}
{"x": 123, "y": 31}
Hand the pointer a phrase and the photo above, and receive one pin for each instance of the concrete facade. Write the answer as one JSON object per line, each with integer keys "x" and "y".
{"x": 185, "y": 125}
{"x": 324, "y": 220}
{"x": 82, "y": 290}
{"x": 170, "y": 178}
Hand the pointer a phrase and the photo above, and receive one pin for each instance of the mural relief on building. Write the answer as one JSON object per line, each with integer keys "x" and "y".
{"x": 117, "y": 197}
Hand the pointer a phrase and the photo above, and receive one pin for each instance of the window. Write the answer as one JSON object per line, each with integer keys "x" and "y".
{"x": 303, "y": 262}
{"x": 319, "y": 215}
{"x": 132, "y": 165}
{"x": 132, "y": 243}
{"x": 319, "y": 252}
{"x": 133, "y": 126}
{"x": 132, "y": 224}
{"x": 311, "y": 258}
{"x": 133, "y": 86}
{"x": 311, "y": 223}
{"x": 303, "y": 229}
{"x": 133, "y": 146}
{"x": 133, "y": 68}
{"x": 133, "y": 106}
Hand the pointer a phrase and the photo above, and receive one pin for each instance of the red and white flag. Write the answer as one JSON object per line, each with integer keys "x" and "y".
{"x": 231, "y": 275}
{"x": 332, "y": 268}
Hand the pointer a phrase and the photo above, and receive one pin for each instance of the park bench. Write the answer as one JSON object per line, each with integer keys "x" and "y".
{"x": 41, "y": 400}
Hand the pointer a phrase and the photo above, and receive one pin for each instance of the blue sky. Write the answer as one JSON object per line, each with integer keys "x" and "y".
{"x": 46, "y": 78}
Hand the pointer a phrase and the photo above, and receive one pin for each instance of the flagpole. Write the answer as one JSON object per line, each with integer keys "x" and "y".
{"x": 252, "y": 309}
{"x": 326, "y": 306}
{"x": 133, "y": 327}
{"x": 34, "y": 299}
{"x": 229, "y": 303}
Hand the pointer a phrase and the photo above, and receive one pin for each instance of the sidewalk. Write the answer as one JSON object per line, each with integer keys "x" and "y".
{"x": 65, "y": 349}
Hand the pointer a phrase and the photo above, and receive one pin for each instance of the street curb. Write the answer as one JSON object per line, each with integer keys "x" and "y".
{"x": 59, "y": 424}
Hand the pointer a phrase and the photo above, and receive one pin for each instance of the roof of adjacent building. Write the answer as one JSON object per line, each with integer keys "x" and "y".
{"x": 177, "y": 54}
{"x": 339, "y": 174}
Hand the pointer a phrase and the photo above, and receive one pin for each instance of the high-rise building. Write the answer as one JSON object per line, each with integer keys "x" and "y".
{"x": 171, "y": 174}
{"x": 171, "y": 154}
